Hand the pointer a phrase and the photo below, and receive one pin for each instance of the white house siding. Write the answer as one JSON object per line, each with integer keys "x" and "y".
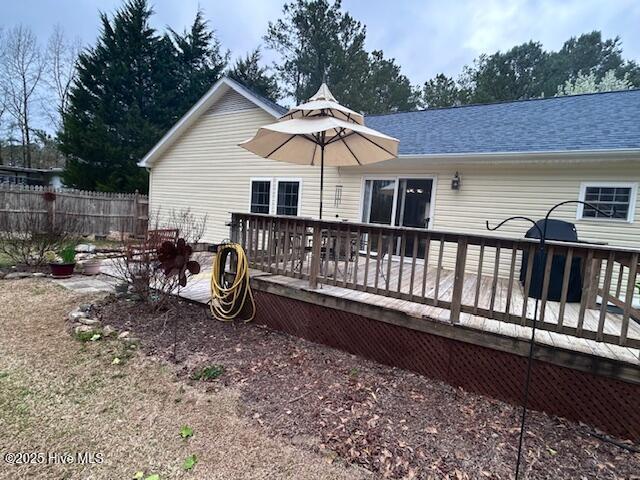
{"x": 495, "y": 192}
{"x": 205, "y": 171}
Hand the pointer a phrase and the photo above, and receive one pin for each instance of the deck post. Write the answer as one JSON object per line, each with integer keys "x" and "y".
{"x": 314, "y": 266}
{"x": 234, "y": 228}
{"x": 458, "y": 281}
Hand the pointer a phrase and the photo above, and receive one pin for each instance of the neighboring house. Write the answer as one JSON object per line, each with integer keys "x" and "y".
{"x": 31, "y": 176}
{"x": 512, "y": 158}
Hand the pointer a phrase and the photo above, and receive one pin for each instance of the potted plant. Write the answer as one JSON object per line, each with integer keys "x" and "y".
{"x": 65, "y": 263}
{"x": 92, "y": 266}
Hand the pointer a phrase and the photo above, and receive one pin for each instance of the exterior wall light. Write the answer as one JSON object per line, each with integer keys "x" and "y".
{"x": 455, "y": 182}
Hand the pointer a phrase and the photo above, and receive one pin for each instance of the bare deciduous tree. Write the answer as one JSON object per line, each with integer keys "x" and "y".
{"x": 139, "y": 265}
{"x": 20, "y": 73}
{"x": 60, "y": 72}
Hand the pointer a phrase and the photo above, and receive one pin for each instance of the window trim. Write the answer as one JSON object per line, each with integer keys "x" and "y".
{"x": 261, "y": 179}
{"x": 275, "y": 193}
{"x": 632, "y": 201}
{"x": 396, "y": 178}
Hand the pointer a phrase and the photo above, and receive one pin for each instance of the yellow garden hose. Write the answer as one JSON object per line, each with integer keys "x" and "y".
{"x": 228, "y": 298}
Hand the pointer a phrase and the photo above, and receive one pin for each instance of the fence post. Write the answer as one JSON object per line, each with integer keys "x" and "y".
{"x": 314, "y": 267}
{"x": 458, "y": 282}
{"x": 135, "y": 213}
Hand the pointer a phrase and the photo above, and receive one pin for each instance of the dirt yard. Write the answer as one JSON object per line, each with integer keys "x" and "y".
{"x": 388, "y": 421}
{"x": 58, "y": 395}
{"x": 279, "y": 407}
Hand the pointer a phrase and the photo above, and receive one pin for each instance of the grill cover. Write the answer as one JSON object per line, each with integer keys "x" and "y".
{"x": 561, "y": 231}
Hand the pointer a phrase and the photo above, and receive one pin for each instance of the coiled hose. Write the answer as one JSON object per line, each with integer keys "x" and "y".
{"x": 228, "y": 298}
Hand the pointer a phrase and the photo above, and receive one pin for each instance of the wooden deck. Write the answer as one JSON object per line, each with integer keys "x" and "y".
{"x": 199, "y": 290}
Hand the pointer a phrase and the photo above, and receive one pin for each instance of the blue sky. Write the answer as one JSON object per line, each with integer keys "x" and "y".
{"x": 426, "y": 37}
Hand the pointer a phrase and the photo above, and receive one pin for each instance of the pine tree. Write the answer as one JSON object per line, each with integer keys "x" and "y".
{"x": 200, "y": 62}
{"x": 131, "y": 88}
{"x": 319, "y": 41}
{"x": 248, "y": 71}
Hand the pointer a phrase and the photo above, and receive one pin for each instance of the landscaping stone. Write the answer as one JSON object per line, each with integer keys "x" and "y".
{"x": 108, "y": 330}
{"x": 38, "y": 274}
{"x": 123, "y": 335}
{"x": 85, "y": 248}
{"x": 76, "y": 315}
{"x": 92, "y": 322}
{"x": 83, "y": 329}
{"x": 85, "y": 307}
{"x": 17, "y": 275}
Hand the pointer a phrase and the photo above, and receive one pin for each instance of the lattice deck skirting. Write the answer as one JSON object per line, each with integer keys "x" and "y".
{"x": 609, "y": 404}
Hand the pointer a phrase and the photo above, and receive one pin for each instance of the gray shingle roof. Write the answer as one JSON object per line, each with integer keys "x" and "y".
{"x": 582, "y": 122}
{"x": 278, "y": 108}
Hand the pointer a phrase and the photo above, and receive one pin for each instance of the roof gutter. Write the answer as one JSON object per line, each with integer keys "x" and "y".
{"x": 600, "y": 155}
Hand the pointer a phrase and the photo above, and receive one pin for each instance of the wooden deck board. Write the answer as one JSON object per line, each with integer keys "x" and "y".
{"x": 198, "y": 290}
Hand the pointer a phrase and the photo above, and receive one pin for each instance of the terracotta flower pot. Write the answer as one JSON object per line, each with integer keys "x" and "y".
{"x": 62, "y": 270}
{"x": 92, "y": 267}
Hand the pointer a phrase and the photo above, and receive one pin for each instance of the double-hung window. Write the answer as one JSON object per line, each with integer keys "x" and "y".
{"x": 288, "y": 197}
{"x": 607, "y": 201}
{"x": 283, "y": 193}
{"x": 260, "y": 196}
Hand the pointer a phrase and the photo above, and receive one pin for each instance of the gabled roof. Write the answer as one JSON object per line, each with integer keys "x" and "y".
{"x": 221, "y": 87}
{"x": 579, "y": 123}
{"x": 595, "y": 123}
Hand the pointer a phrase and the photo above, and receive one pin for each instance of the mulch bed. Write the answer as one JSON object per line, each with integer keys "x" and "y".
{"x": 392, "y": 422}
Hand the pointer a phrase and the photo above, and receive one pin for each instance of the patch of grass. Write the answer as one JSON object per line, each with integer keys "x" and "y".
{"x": 190, "y": 462}
{"x": 90, "y": 336}
{"x": 208, "y": 373}
{"x": 186, "y": 431}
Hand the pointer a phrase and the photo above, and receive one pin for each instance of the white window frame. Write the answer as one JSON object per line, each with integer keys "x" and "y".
{"x": 396, "y": 179}
{"x": 632, "y": 201}
{"x": 275, "y": 192}
{"x": 261, "y": 179}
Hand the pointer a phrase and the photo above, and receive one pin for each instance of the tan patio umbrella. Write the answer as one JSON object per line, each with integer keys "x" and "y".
{"x": 321, "y": 132}
{"x": 323, "y": 104}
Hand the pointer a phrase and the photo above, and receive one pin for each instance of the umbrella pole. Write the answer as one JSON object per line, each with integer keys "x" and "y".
{"x": 321, "y": 176}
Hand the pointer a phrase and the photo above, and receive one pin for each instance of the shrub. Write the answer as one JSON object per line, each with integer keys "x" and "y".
{"x": 143, "y": 268}
{"x": 26, "y": 236}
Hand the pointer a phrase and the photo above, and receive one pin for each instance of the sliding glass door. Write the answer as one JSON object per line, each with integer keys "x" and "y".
{"x": 399, "y": 201}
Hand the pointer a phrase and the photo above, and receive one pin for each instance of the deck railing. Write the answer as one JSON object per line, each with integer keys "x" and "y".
{"x": 475, "y": 275}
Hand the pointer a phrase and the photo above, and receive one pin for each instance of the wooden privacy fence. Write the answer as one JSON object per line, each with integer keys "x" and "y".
{"x": 595, "y": 284}
{"x": 97, "y": 213}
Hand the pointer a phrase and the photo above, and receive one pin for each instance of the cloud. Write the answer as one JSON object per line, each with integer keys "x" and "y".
{"x": 424, "y": 36}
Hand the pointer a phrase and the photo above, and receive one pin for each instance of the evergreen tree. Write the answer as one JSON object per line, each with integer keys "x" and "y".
{"x": 248, "y": 71}
{"x": 513, "y": 75}
{"x": 528, "y": 71}
{"x": 318, "y": 41}
{"x": 131, "y": 87}
{"x": 200, "y": 62}
{"x": 441, "y": 91}
{"x": 386, "y": 88}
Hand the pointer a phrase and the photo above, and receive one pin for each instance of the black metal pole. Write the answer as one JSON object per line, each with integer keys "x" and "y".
{"x": 532, "y": 343}
{"x": 542, "y": 247}
{"x": 321, "y": 175}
